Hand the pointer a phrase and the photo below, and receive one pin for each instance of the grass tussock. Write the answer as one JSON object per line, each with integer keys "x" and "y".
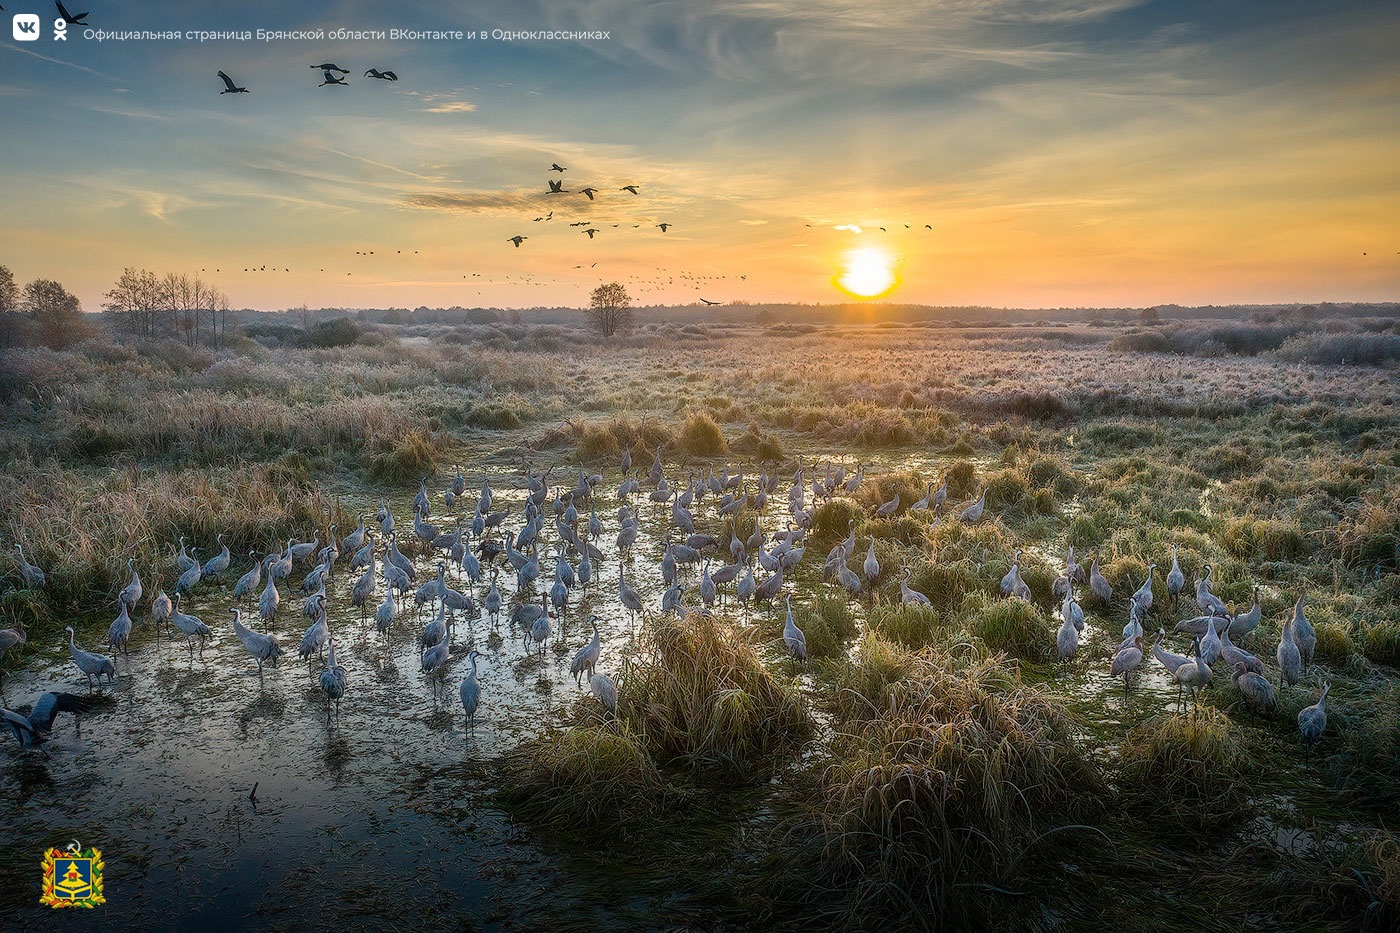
{"x": 598, "y": 441}
{"x": 950, "y": 782}
{"x": 1012, "y": 626}
{"x": 701, "y": 436}
{"x": 1382, "y": 645}
{"x": 1185, "y": 762}
{"x": 404, "y": 461}
{"x": 827, "y": 622}
{"x": 1334, "y": 644}
{"x": 702, "y": 697}
{"x": 1265, "y": 539}
{"x": 909, "y": 626}
{"x": 586, "y": 779}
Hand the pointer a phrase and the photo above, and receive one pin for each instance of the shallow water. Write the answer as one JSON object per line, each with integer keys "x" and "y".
{"x": 387, "y": 800}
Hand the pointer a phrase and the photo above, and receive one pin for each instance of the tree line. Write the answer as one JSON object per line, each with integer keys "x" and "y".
{"x": 148, "y": 306}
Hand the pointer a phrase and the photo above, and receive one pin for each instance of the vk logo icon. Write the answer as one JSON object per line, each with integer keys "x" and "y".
{"x": 26, "y": 27}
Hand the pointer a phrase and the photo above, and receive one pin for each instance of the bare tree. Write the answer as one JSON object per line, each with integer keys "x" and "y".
{"x": 610, "y": 309}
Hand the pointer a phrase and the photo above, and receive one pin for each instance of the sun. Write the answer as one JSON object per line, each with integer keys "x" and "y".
{"x": 869, "y": 273}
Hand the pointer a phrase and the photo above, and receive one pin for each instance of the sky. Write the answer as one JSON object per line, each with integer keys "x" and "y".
{"x": 1016, "y": 153}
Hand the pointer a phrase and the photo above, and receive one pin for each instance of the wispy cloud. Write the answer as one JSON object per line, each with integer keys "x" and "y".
{"x": 454, "y": 106}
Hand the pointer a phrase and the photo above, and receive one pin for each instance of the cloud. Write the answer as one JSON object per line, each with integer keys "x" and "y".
{"x": 455, "y": 106}
{"x": 851, "y": 227}
{"x": 478, "y": 202}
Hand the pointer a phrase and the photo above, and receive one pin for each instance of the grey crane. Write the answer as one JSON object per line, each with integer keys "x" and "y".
{"x": 1176, "y": 580}
{"x": 131, "y": 593}
{"x": 1257, "y": 691}
{"x": 385, "y": 517}
{"x": 1205, "y": 599}
{"x": 1168, "y": 659}
{"x": 1234, "y": 655}
{"x": 1303, "y": 632}
{"x": 435, "y": 631}
{"x": 10, "y": 637}
{"x": 1290, "y": 659}
{"x": 32, "y": 730}
{"x": 793, "y": 639}
{"x": 1246, "y": 622}
{"x": 1066, "y": 640}
{"x": 1144, "y": 593}
{"x": 396, "y": 557}
{"x": 1195, "y": 674}
{"x": 270, "y": 598}
{"x": 317, "y": 634}
{"x": 492, "y": 603}
{"x": 189, "y": 626}
{"x": 628, "y": 596}
{"x": 1312, "y": 720}
{"x": 923, "y": 504}
{"x": 471, "y": 690}
{"x": 1210, "y": 643}
{"x": 217, "y": 564}
{"x": 973, "y": 513}
{"x": 1098, "y": 583}
{"x": 587, "y": 657}
{"x": 251, "y": 580}
{"x": 1127, "y": 659}
{"x": 190, "y": 578}
{"x": 183, "y": 560}
{"x": 539, "y": 630}
{"x": 384, "y": 614}
{"x": 332, "y": 681}
{"x": 1070, "y": 609}
{"x": 120, "y": 630}
{"x": 261, "y": 647}
{"x": 161, "y": 608}
{"x": 887, "y": 509}
{"x": 602, "y": 687}
{"x": 871, "y": 566}
{"x": 306, "y": 548}
{"x": 355, "y": 539}
{"x": 92, "y": 665}
{"x": 283, "y": 567}
{"x": 1008, "y": 582}
{"x": 908, "y": 596}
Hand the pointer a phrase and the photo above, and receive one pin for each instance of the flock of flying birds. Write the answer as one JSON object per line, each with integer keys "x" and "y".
{"x": 750, "y": 570}
{"x": 331, "y": 73}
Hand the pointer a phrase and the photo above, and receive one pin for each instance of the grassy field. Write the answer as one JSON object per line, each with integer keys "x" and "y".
{"x": 926, "y": 767}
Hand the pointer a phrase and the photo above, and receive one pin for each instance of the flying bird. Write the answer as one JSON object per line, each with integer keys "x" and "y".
{"x": 588, "y": 191}
{"x": 557, "y": 187}
{"x": 331, "y": 66}
{"x": 590, "y": 231}
{"x": 517, "y": 240}
{"x": 383, "y": 75}
{"x": 331, "y": 79}
{"x": 70, "y": 19}
{"x": 664, "y": 227}
{"x": 709, "y": 302}
{"x": 231, "y": 88}
{"x": 631, "y": 188}
{"x": 556, "y": 167}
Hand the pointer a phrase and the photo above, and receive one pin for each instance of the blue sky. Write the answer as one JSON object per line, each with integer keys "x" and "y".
{"x": 1060, "y": 152}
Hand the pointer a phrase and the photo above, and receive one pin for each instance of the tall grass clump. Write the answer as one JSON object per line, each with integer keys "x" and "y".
{"x": 588, "y": 779}
{"x": 405, "y": 460}
{"x": 955, "y": 781}
{"x": 595, "y": 441}
{"x": 1012, "y": 626}
{"x": 701, "y": 436}
{"x": 1185, "y": 762}
{"x": 702, "y": 697}
{"x": 1382, "y": 644}
{"x": 826, "y": 623}
{"x": 1265, "y": 539}
{"x": 910, "y": 626}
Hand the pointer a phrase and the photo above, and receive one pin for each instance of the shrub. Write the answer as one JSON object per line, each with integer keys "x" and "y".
{"x": 1015, "y": 627}
{"x": 338, "y": 332}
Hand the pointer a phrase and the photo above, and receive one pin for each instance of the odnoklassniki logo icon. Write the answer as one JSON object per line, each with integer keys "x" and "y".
{"x": 26, "y": 27}
{"x": 72, "y": 877}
